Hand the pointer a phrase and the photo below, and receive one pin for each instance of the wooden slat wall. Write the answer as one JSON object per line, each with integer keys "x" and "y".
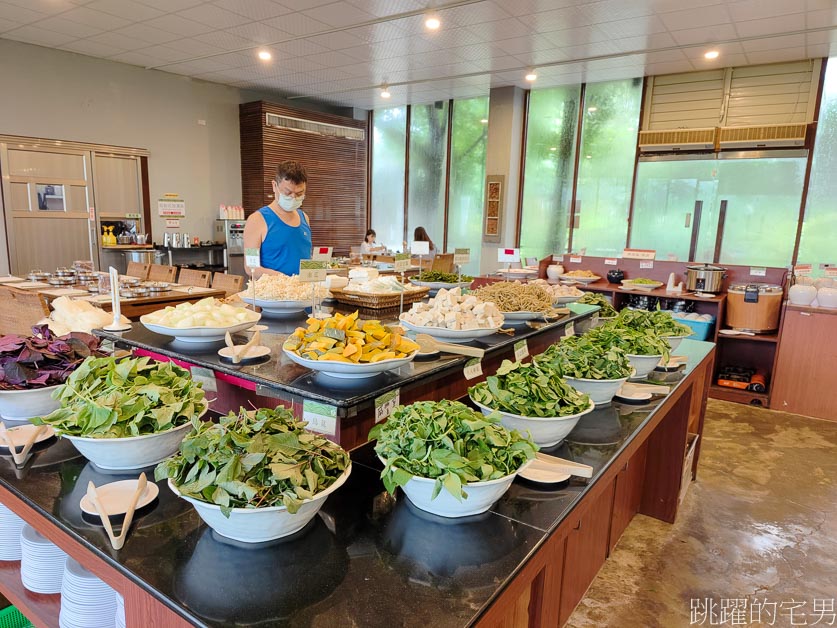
{"x": 336, "y": 197}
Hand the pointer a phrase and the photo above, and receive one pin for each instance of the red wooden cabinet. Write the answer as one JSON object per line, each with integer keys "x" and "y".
{"x": 627, "y": 495}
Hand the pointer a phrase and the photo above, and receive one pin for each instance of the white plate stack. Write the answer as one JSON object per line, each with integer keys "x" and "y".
{"x": 10, "y": 526}
{"x": 86, "y": 601}
{"x": 41, "y": 562}
{"x": 120, "y": 611}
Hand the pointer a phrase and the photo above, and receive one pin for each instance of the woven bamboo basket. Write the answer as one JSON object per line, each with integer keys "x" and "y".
{"x": 378, "y": 301}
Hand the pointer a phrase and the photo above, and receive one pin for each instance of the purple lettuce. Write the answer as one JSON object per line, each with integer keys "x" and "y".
{"x": 42, "y": 359}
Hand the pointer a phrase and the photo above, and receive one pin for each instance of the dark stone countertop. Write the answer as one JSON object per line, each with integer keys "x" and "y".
{"x": 369, "y": 559}
{"x": 282, "y": 374}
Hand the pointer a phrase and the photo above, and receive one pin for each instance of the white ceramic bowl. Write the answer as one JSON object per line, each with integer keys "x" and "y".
{"x": 628, "y": 284}
{"x": 584, "y": 280}
{"x": 674, "y": 341}
{"x": 438, "y": 285}
{"x": 200, "y": 335}
{"x": 568, "y": 299}
{"x": 18, "y": 406}
{"x": 554, "y": 271}
{"x": 601, "y": 391}
{"x": 257, "y": 525}
{"x": 643, "y": 364}
{"x": 275, "y": 307}
{"x": 827, "y": 297}
{"x": 345, "y": 370}
{"x": 587, "y": 324}
{"x": 522, "y": 316}
{"x": 450, "y": 335}
{"x": 133, "y": 452}
{"x": 545, "y": 431}
{"x": 481, "y": 496}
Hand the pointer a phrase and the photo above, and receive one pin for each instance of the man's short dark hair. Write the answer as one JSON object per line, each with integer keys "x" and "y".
{"x": 293, "y": 171}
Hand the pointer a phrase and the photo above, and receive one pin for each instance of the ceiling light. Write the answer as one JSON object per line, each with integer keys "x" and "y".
{"x": 592, "y": 109}
{"x": 484, "y": 121}
{"x": 385, "y": 91}
{"x": 589, "y": 156}
{"x": 553, "y": 148}
{"x": 531, "y": 76}
{"x": 712, "y": 54}
{"x": 265, "y": 55}
{"x": 432, "y": 23}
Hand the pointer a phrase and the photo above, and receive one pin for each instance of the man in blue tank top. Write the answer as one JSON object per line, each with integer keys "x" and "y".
{"x": 281, "y": 231}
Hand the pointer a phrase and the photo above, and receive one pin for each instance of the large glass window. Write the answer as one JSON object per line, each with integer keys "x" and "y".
{"x": 549, "y": 166}
{"x": 820, "y": 223}
{"x": 606, "y": 166}
{"x": 389, "y": 144}
{"x": 761, "y": 199}
{"x": 467, "y": 178}
{"x": 428, "y": 156}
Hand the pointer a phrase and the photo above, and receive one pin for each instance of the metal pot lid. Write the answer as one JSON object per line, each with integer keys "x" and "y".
{"x": 764, "y": 288}
{"x": 708, "y": 267}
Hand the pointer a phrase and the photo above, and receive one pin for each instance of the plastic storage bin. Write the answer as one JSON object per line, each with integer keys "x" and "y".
{"x": 702, "y": 329}
{"x": 10, "y": 617}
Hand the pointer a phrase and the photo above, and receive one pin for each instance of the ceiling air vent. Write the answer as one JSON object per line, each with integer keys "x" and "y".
{"x": 320, "y": 128}
{"x": 766, "y": 136}
{"x": 674, "y": 140}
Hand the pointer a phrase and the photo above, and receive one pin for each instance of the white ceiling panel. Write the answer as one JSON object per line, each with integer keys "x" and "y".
{"x": 320, "y": 52}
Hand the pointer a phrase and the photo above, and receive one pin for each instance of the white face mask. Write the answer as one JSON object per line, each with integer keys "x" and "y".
{"x": 290, "y": 203}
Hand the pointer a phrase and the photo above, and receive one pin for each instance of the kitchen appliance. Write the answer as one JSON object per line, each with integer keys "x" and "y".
{"x": 175, "y": 240}
{"x": 231, "y": 233}
{"x": 186, "y": 242}
{"x": 143, "y": 256}
{"x": 705, "y": 278}
{"x": 167, "y": 240}
{"x": 754, "y": 307}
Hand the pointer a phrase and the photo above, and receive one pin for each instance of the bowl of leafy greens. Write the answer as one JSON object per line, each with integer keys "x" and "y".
{"x": 256, "y": 475}
{"x": 532, "y": 398}
{"x": 33, "y": 367}
{"x": 448, "y": 459}
{"x": 127, "y": 413}
{"x": 663, "y": 324}
{"x": 590, "y": 364}
{"x": 436, "y": 280}
{"x": 644, "y": 347}
{"x": 605, "y": 314}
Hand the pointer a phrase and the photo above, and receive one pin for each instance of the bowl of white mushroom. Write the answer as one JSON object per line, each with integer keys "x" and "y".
{"x": 451, "y": 316}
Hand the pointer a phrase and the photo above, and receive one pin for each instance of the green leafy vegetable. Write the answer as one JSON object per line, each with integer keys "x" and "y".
{"x": 118, "y": 398}
{"x": 531, "y": 390}
{"x": 643, "y": 280}
{"x": 662, "y": 323}
{"x": 435, "y": 276}
{"x": 631, "y": 341}
{"x": 449, "y": 442}
{"x": 589, "y": 356}
{"x": 254, "y": 459}
{"x": 606, "y": 310}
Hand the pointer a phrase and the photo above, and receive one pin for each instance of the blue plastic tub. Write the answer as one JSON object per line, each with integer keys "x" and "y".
{"x": 702, "y": 329}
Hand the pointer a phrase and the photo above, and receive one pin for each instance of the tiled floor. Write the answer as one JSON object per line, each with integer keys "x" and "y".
{"x": 759, "y": 524}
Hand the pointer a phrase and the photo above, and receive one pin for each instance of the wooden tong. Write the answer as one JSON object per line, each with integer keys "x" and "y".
{"x": 8, "y": 441}
{"x": 117, "y": 541}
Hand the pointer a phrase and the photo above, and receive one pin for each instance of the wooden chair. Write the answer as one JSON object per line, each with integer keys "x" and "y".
{"x": 443, "y": 263}
{"x": 232, "y": 284}
{"x": 135, "y": 269}
{"x": 158, "y": 272}
{"x": 20, "y": 310}
{"x": 192, "y": 277}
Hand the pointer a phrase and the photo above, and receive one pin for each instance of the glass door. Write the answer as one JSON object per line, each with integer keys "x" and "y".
{"x": 738, "y": 208}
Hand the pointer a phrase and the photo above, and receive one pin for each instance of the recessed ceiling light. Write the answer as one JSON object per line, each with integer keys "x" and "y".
{"x": 432, "y": 23}
{"x": 712, "y": 54}
{"x": 385, "y": 91}
{"x": 553, "y": 148}
{"x": 592, "y": 109}
{"x": 484, "y": 121}
{"x": 531, "y": 76}
{"x": 589, "y": 156}
{"x": 265, "y": 55}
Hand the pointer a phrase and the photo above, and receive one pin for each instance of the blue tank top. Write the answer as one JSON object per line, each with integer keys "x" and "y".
{"x": 284, "y": 246}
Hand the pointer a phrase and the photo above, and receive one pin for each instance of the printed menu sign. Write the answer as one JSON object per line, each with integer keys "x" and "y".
{"x": 321, "y": 417}
{"x": 461, "y": 256}
{"x": 402, "y": 262}
{"x": 322, "y": 253}
{"x": 508, "y": 256}
{"x": 311, "y": 271}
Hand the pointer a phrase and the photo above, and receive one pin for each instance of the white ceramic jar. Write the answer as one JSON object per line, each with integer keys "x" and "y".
{"x": 553, "y": 271}
{"x": 800, "y": 294}
{"x": 823, "y": 282}
{"x": 827, "y": 297}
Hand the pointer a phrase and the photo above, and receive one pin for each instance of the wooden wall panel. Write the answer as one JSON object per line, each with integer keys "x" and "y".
{"x": 336, "y": 197}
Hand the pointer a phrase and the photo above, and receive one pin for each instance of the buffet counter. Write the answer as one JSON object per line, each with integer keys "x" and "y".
{"x": 351, "y": 402}
{"x": 371, "y": 559}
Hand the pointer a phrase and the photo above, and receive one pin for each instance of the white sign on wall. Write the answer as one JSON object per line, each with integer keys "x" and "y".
{"x": 171, "y": 205}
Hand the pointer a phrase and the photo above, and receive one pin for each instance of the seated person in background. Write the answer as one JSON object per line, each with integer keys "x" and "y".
{"x": 420, "y": 235}
{"x": 369, "y": 246}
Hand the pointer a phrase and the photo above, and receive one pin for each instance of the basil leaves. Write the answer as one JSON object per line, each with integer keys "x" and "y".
{"x": 118, "y": 398}
{"x": 449, "y": 442}
{"x": 254, "y": 459}
{"x": 534, "y": 389}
